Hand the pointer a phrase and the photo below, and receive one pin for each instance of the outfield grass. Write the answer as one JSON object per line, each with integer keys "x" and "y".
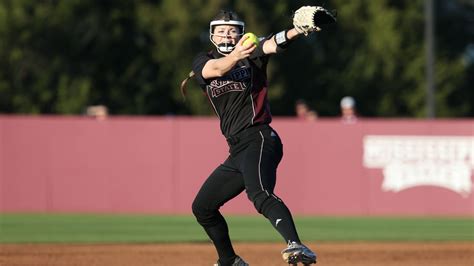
{"x": 87, "y": 228}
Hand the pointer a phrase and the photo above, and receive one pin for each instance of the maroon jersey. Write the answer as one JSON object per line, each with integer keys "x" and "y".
{"x": 239, "y": 98}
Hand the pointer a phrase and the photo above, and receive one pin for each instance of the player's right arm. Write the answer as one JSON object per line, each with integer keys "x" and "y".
{"x": 218, "y": 67}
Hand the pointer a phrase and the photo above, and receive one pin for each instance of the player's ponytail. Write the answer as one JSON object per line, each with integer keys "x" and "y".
{"x": 184, "y": 84}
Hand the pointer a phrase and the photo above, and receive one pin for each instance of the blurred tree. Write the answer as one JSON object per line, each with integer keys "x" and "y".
{"x": 60, "y": 56}
{"x": 375, "y": 53}
{"x": 455, "y": 55}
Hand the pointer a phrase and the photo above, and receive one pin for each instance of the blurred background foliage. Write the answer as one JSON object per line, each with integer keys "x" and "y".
{"x": 59, "y": 56}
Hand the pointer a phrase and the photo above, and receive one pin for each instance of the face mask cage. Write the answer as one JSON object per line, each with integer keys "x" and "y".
{"x": 225, "y": 47}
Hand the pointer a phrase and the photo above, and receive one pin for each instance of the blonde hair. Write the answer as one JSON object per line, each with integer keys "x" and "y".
{"x": 184, "y": 84}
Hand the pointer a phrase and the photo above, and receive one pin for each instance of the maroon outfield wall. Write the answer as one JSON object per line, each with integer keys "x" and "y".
{"x": 156, "y": 165}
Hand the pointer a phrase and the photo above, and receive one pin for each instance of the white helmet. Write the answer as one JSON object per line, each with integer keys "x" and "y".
{"x": 347, "y": 102}
{"x": 225, "y": 18}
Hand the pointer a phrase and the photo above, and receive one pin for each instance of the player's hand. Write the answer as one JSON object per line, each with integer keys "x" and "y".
{"x": 243, "y": 51}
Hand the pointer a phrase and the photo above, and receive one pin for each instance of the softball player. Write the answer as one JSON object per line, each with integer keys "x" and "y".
{"x": 233, "y": 76}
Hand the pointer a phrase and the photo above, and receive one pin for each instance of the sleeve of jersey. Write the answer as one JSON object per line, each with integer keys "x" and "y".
{"x": 198, "y": 64}
{"x": 258, "y": 52}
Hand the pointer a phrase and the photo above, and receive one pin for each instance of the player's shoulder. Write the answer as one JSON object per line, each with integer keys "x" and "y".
{"x": 258, "y": 53}
{"x": 207, "y": 54}
{"x": 201, "y": 58}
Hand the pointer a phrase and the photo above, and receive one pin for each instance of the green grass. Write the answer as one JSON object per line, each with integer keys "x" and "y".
{"x": 88, "y": 228}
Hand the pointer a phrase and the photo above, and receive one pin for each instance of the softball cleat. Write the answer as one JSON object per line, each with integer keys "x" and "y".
{"x": 298, "y": 253}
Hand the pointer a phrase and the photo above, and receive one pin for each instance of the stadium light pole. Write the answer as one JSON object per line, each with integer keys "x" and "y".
{"x": 430, "y": 59}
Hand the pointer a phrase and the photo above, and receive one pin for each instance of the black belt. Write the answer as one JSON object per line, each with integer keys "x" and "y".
{"x": 232, "y": 140}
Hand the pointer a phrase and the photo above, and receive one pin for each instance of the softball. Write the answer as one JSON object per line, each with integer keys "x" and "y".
{"x": 252, "y": 38}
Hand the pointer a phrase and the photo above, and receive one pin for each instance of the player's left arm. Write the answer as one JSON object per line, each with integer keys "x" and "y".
{"x": 270, "y": 46}
{"x": 306, "y": 19}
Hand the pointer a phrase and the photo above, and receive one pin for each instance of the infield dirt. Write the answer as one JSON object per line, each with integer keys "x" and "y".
{"x": 264, "y": 254}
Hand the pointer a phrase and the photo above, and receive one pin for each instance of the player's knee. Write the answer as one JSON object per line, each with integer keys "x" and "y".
{"x": 198, "y": 208}
{"x": 203, "y": 214}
